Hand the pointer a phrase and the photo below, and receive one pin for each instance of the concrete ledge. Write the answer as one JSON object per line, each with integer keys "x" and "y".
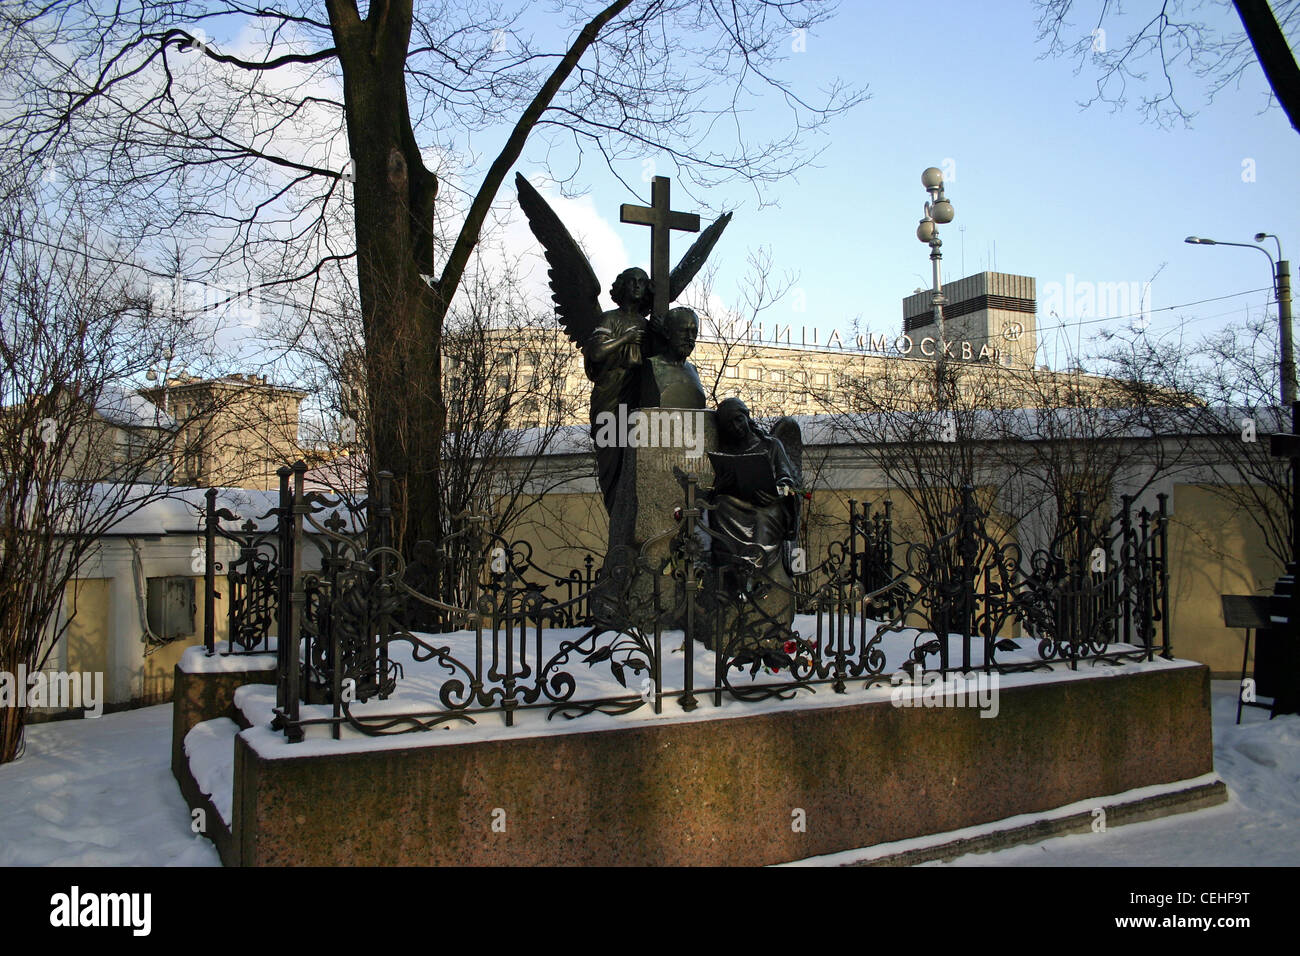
{"x": 1118, "y": 813}
{"x": 204, "y": 689}
{"x": 203, "y": 696}
{"x": 216, "y": 831}
{"x": 730, "y": 791}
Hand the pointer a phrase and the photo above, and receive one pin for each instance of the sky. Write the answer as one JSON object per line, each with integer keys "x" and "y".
{"x": 1093, "y": 203}
{"x": 1040, "y": 186}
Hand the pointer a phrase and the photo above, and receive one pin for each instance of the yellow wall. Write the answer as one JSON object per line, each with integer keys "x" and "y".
{"x": 87, "y": 601}
{"x": 564, "y": 528}
{"x": 92, "y": 647}
{"x": 1212, "y": 551}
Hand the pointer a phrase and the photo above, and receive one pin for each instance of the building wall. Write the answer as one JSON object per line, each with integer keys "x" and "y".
{"x": 105, "y": 632}
{"x": 982, "y": 309}
{"x": 1214, "y": 549}
{"x": 233, "y": 432}
{"x": 792, "y": 380}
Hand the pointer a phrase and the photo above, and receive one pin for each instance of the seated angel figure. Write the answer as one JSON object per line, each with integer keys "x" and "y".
{"x": 755, "y": 509}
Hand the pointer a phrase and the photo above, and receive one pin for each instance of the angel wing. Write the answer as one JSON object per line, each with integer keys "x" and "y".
{"x": 695, "y": 256}
{"x": 574, "y": 287}
{"x": 788, "y": 432}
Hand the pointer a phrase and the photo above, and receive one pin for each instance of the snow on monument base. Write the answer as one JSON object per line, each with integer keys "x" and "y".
{"x": 766, "y": 787}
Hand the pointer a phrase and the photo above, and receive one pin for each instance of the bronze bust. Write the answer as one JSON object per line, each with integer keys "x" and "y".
{"x": 671, "y": 381}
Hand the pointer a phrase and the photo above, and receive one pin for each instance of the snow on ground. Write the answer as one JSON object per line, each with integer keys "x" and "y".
{"x": 100, "y": 792}
{"x": 1258, "y": 826}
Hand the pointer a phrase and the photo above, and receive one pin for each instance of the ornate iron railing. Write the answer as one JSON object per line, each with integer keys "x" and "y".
{"x": 256, "y": 579}
{"x": 577, "y": 643}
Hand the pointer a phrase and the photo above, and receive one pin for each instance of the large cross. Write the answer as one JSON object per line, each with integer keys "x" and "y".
{"x": 660, "y": 218}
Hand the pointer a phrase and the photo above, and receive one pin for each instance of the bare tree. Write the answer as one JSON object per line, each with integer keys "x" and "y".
{"x": 728, "y": 334}
{"x": 921, "y": 424}
{"x": 508, "y": 375}
{"x": 1224, "y": 387}
{"x": 79, "y": 449}
{"x": 1034, "y": 443}
{"x": 1079, "y": 440}
{"x": 305, "y": 149}
{"x": 1171, "y": 36}
{"x": 507, "y": 369}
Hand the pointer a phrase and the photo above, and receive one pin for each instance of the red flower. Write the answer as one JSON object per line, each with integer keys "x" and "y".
{"x": 807, "y": 495}
{"x": 791, "y": 647}
{"x": 776, "y": 670}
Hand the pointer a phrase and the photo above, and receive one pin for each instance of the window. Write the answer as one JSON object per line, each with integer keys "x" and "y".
{"x": 169, "y": 607}
{"x": 193, "y": 462}
{"x": 754, "y": 373}
{"x": 821, "y": 378}
{"x": 731, "y": 372}
{"x": 776, "y": 375}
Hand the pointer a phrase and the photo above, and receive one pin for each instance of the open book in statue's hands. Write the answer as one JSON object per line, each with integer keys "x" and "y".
{"x": 748, "y": 476}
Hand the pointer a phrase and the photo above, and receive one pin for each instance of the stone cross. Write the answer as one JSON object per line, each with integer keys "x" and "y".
{"x": 660, "y": 217}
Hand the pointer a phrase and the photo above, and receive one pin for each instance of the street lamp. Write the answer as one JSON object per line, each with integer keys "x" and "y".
{"x": 1282, "y": 291}
{"x": 1281, "y": 270}
{"x": 938, "y": 210}
{"x": 153, "y": 375}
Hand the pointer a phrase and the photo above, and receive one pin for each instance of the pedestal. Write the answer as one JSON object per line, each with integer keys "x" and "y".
{"x": 647, "y": 494}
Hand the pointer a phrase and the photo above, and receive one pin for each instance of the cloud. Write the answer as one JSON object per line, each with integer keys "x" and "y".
{"x": 598, "y": 236}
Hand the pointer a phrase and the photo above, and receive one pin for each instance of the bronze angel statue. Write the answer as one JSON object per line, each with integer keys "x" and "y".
{"x": 614, "y": 344}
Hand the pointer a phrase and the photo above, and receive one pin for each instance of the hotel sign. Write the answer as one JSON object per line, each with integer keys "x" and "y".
{"x": 881, "y": 344}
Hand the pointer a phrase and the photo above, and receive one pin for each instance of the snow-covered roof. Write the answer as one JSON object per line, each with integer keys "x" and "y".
{"x": 129, "y": 409}
{"x": 1022, "y": 424}
{"x": 151, "y": 510}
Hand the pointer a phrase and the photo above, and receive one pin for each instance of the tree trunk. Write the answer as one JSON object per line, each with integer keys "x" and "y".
{"x": 12, "y": 717}
{"x": 1274, "y": 55}
{"x": 401, "y": 313}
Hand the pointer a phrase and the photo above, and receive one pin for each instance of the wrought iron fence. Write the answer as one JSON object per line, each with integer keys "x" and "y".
{"x": 255, "y": 578}
{"x": 527, "y": 638}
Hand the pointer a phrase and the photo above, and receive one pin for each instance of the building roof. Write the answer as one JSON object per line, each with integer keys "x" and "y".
{"x": 130, "y": 409}
{"x": 234, "y": 380}
{"x": 1017, "y": 424}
